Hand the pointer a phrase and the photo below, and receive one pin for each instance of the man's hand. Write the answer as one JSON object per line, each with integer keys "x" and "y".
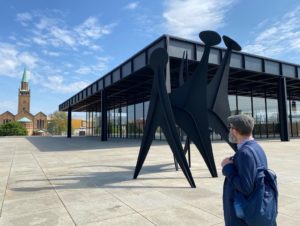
{"x": 226, "y": 161}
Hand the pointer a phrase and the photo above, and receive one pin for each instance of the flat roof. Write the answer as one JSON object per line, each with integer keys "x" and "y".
{"x": 131, "y": 81}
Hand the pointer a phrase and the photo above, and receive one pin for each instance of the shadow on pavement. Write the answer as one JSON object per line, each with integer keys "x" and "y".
{"x": 113, "y": 179}
{"x": 52, "y": 144}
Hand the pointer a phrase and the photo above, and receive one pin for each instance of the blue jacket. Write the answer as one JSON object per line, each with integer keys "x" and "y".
{"x": 240, "y": 176}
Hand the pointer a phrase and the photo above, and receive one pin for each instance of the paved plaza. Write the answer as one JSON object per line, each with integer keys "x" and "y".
{"x": 82, "y": 181}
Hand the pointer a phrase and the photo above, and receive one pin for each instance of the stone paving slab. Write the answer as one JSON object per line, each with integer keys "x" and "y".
{"x": 56, "y": 216}
{"x": 82, "y": 181}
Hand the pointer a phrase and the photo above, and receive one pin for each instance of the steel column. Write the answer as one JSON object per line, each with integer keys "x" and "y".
{"x": 69, "y": 131}
{"x": 283, "y": 116}
{"x": 103, "y": 116}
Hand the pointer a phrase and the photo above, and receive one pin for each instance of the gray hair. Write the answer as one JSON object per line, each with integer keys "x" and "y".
{"x": 244, "y": 124}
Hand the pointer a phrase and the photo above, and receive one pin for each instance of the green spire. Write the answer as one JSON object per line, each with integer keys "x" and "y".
{"x": 25, "y": 77}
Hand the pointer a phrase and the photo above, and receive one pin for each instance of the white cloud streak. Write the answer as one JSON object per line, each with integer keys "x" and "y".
{"x": 100, "y": 66}
{"x": 13, "y": 61}
{"x": 28, "y": 59}
{"x": 92, "y": 29}
{"x": 132, "y": 5}
{"x": 185, "y": 18}
{"x": 24, "y": 18}
{"x": 279, "y": 38}
{"x": 8, "y": 106}
{"x": 58, "y": 85}
{"x": 52, "y": 31}
{"x": 54, "y": 37}
{"x": 89, "y": 31}
{"x": 51, "y": 53}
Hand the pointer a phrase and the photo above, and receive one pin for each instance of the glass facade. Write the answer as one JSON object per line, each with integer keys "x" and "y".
{"x": 259, "y": 116}
{"x": 139, "y": 120}
{"x": 123, "y": 122}
{"x": 294, "y": 118}
{"x": 272, "y": 118}
{"x": 129, "y": 121}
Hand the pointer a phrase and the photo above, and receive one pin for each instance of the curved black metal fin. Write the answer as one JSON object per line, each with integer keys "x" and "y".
{"x": 217, "y": 93}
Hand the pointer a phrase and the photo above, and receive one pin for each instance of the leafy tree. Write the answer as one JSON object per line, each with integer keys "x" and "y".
{"x": 12, "y": 129}
{"x": 58, "y": 123}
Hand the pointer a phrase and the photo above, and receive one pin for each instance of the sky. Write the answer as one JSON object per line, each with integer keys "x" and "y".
{"x": 65, "y": 45}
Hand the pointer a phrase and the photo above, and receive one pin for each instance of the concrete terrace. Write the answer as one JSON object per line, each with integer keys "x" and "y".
{"x": 82, "y": 181}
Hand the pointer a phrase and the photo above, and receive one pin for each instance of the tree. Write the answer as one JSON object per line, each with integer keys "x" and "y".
{"x": 12, "y": 129}
{"x": 58, "y": 123}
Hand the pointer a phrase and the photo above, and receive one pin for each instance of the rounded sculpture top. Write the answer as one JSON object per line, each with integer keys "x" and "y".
{"x": 210, "y": 38}
{"x": 230, "y": 43}
{"x": 158, "y": 57}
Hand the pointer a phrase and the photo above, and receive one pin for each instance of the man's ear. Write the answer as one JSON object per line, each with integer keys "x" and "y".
{"x": 234, "y": 132}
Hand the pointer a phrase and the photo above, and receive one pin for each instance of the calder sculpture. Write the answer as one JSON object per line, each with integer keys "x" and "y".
{"x": 196, "y": 107}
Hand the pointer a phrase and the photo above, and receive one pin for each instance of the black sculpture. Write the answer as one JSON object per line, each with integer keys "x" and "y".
{"x": 195, "y": 106}
{"x": 160, "y": 114}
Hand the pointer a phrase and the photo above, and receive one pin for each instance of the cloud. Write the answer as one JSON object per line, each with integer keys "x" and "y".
{"x": 92, "y": 29}
{"x": 68, "y": 65}
{"x": 185, "y": 18}
{"x": 28, "y": 59}
{"x": 46, "y": 34}
{"x": 58, "y": 85}
{"x": 62, "y": 36}
{"x": 145, "y": 22}
{"x": 100, "y": 66}
{"x": 45, "y": 22}
{"x": 278, "y": 38}
{"x": 23, "y": 18}
{"x": 12, "y": 61}
{"x": 40, "y": 41}
{"x": 132, "y": 5}
{"x": 84, "y": 70}
{"x": 8, "y": 60}
{"x": 51, "y": 78}
{"x": 8, "y": 106}
{"x": 49, "y": 29}
{"x": 50, "y": 53}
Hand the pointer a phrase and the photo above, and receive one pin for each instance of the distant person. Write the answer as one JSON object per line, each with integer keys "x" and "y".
{"x": 241, "y": 172}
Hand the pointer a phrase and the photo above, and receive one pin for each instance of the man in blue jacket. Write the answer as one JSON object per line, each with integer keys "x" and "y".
{"x": 240, "y": 170}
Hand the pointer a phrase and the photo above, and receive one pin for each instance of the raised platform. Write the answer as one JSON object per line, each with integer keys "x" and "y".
{"x": 82, "y": 181}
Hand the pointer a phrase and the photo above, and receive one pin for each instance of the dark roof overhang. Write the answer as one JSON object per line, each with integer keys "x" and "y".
{"x": 131, "y": 81}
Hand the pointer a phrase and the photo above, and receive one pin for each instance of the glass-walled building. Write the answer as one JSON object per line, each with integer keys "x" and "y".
{"x": 116, "y": 105}
{"x": 128, "y": 121}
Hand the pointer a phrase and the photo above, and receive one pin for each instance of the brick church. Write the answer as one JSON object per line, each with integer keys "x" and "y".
{"x": 35, "y": 124}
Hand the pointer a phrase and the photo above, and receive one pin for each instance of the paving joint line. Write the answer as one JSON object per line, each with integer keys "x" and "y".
{"x": 131, "y": 208}
{"x": 53, "y": 188}
{"x": 197, "y": 207}
{"x": 2, "y": 204}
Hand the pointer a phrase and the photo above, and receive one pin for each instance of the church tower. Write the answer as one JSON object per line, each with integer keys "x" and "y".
{"x": 24, "y": 95}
